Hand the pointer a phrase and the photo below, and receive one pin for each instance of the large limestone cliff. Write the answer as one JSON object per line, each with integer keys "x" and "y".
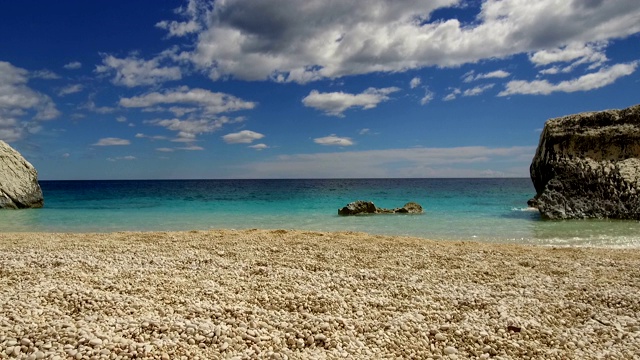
{"x": 588, "y": 166}
{"x": 19, "y": 186}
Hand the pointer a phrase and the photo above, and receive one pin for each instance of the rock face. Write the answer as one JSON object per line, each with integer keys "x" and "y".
{"x": 19, "y": 186}
{"x": 367, "y": 207}
{"x": 588, "y": 166}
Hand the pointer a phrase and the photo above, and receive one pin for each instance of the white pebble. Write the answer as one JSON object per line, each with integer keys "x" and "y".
{"x": 450, "y": 350}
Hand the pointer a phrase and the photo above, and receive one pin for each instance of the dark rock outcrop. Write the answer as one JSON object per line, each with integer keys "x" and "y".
{"x": 367, "y": 207}
{"x": 588, "y": 166}
{"x": 19, "y": 186}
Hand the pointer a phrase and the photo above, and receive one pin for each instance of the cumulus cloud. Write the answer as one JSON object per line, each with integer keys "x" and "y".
{"x": 415, "y": 82}
{"x": 152, "y": 137}
{"x": 19, "y": 104}
{"x": 592, "y": 53}
{"x": 188, "y": 130}
{"x": 335, "y": 103}
{"x": 191, "y": 148}
{"x": 131, "y": 71}
{"x": 596, "y": 80}
{"x": 452, "y": 95}
{"x": 302, "y": 41}
{"x": 209, "y": 102}
{"x": 475, "y": 91}
{"x": 259, "y": 147}
{"x": 428, "y": 96}
{"x": 242, "y": 137}
{"x": 197, "y": 111}
{"x": 498, "y": 74}
{"x": 70, "y": 89}
{"x": 128, "y": 157}
{"x": 44, "y": 74}
{"x": 91, "y": 106}
{"x": 333, "y": 140}
{"x": 471, "y": 161}
{"x": 74, "y": 65}
{"x": 111, "y": 141}
{"x": 190, "y": 13}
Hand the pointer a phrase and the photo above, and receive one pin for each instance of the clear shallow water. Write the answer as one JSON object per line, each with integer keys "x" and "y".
{"x": 463, "y": 209}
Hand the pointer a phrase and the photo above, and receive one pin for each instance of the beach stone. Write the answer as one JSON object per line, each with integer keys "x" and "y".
{"x": 587, "y": 165}
{"x": 450, "y": 350}
{"x": 19, "y": 186}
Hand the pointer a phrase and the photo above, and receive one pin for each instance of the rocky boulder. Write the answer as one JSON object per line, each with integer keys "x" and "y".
{"x": 367, "y": 207}
{"x": 19, "y": 186}
{"x": 588, "y": 166}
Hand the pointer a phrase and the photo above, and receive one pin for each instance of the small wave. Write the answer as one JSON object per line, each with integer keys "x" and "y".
{"x": 524, "y": 209}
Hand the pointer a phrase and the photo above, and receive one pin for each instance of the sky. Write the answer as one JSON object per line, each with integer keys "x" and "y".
{"x": 202, "y": 89}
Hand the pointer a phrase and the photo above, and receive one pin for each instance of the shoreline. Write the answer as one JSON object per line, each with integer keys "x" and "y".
{"x": 305, "y": 294}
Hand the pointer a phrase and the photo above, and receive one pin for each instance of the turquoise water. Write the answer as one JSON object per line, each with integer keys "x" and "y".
{"x": 462, "y": 209}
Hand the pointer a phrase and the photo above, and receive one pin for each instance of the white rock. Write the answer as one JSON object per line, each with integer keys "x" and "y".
{"x": 450, "y": 350}
{"x": 95, "y": 342}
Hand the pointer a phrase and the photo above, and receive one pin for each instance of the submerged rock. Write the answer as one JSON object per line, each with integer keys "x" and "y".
{"x": 367, "y": 207}
{"x": 19, "y": 186}
{"x": 588, "y": 166}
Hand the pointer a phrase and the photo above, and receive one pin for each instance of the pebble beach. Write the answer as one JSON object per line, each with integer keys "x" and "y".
{"x": 281, "y": 294}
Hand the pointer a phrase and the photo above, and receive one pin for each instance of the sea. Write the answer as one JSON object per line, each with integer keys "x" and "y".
{"x": 491, "y": 210}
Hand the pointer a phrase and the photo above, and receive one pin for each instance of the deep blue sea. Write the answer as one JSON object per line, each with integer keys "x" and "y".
{"x": 457, "y": 209}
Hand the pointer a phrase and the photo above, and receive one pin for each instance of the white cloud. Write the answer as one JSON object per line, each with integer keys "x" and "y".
{"x": 188, "y": 130}
{"x": 44, "y": 74}
{"x": 131, "y": 71}
{"x": 498, "y": 74}
{"x": 74, "y": 65}
{"x": 176, "y": 28}
{"x": 428, "y": 96}
{"x": 333, "y": 140}
{"x": 19, "y": 104}
{"x": 128, "y": 158}
{"x": 164, "y": 149}
{"x": 591, "y": 53}
{"x": 182, "y": 28}
{"x": 111, "y": 141}
{"x": 550, "y": 71}
{"x": 242, "y": 137}
{"x": 70, "y": 89}
{"x": 210, "y": 102}
{"x": 91, "y": 106}
{"x": 475, "y": 91}
{"x": 472, "y": 161}
{"x": 301, "y": 41}
{"x": 121, "y": 119}
{"x": 259, "y": 147}
{"x": 152, "y": 137}
{"x": 452, "y": 95}
{"x": 415, "y": 82}
{"x": 201, "y": 107}
{"x": 335, "y": 103}
{"x": 604, "y": 77}
{"x": 191, "y": 148}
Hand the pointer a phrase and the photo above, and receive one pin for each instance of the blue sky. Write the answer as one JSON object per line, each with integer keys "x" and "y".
{"x": 304, "y": 89}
